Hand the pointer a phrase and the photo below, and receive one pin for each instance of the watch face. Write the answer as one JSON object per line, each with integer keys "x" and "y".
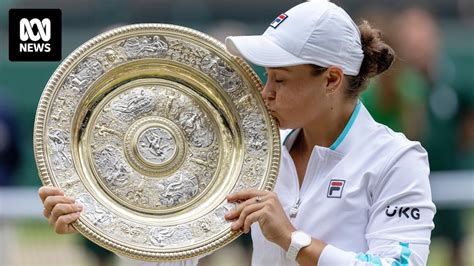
{"x": 302, "y": 238}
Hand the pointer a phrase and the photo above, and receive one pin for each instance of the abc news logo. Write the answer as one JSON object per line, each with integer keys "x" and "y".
{"x": 35, "y": 34}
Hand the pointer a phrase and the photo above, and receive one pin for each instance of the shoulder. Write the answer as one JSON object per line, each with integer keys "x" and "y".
{"x": 384, "y": 153}
{"x": 398, "y": 148}
{"x": 402, "y": 164}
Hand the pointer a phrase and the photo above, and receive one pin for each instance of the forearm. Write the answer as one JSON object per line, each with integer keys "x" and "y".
{"x": 310, "y": 255}
{"x": 385, "y": 252}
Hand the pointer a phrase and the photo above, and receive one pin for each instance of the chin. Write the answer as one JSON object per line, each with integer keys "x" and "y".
{"x": 283, "y": 125}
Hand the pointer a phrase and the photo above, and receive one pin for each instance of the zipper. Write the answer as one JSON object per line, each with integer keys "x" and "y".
{"x": 294, "y": 209}
{"x": 300, "y": 191}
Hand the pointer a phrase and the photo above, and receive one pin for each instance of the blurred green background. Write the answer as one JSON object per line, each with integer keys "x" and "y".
{"x": 428, "y": 95}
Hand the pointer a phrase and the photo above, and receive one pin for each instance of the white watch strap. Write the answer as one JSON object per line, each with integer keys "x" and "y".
{"x": 292, "y": 252}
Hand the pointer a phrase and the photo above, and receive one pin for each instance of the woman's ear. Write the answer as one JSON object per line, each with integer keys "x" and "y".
{"x": 334, "y": 78}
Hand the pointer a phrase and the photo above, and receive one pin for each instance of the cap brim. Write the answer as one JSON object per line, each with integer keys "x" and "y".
{"x": 261, "y": 51}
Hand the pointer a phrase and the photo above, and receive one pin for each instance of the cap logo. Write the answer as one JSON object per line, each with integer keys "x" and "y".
{"x": 278, "y": 20}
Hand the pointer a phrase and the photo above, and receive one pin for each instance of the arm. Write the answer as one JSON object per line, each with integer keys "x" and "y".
{"x": 400, "y": 217}
{"x": 62, "y": 211}
{"x": 394, "y": 238}
{"x": 265, "y": 208}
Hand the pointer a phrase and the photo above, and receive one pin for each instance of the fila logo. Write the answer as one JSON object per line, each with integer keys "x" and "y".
{"x": 403, "y": 211}
{"x": 35, "y": 34}
{"x": 335, "y": 188}
{"x": 43, "y": 26}
{"x": 275, "y": 23}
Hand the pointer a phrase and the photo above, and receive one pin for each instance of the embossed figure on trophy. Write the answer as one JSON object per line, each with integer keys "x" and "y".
{"x": 86, "y": 72}
{"x": 137, "y": 195}
{"x": 227, "y": 77}
{"x": 161, "y": 236}
{"x": 191, "y": 121}
{"x": 208, "y": 65}
{"x": 246, "y": 103}
{"x": 130, "y": 104}
{"x": 186, "y": 53}
{"x": 253, "y": 123}
{"x": 158, "y": 144}
{"x": 61, "y": 103}
{"x": 59, "y": 141}
{"x": 219, "y": 70}
{"x": 254, "y": 167}
{"x": 153, "y": 45}
{"x": 114, "y": 172}
{"x": 96, "y": 214}
{"x": 171, "y": 97}
{"x": 111, "y": 57}
{"x": 146, "y": 46}
{"x": 70, "y": 184}
{"x": 179, "y": 190}
{"x": 133, "y": 104}
{"x": 132, "y": 47}
{"x": 135, "y": 233}
{"x": 103, "y": 130}
{"x": 101, "y": 217}
{"x": 205, "y": 225}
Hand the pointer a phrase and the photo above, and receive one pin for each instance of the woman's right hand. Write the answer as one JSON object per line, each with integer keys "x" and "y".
{"x": 60, "y": 210}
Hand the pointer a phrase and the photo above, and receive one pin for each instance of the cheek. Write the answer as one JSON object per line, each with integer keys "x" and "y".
{"x": 299, "y": 107}
{"x": 292, "y": 109}
{"x": 298, "y": 99}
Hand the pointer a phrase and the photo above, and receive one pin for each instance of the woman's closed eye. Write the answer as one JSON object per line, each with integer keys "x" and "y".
{"x": 273, "y": 77}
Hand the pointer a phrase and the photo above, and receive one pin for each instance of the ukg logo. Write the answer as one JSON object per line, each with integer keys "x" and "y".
{"x": 35, "y": 34}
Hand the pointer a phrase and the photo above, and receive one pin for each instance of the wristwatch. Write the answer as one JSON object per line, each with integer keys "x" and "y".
{"x": 299, "y": 240}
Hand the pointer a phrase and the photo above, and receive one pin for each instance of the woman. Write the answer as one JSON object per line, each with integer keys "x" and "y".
{"x": 350, "y": 191}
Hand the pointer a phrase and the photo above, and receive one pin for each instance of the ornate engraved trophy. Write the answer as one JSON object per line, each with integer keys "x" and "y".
{"x": 150, "y": 126}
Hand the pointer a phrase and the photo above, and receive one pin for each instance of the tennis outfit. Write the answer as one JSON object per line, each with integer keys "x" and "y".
{"x": 367, "y": 196}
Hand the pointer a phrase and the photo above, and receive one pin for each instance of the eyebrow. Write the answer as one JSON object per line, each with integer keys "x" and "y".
{"x": 280, "y": 68}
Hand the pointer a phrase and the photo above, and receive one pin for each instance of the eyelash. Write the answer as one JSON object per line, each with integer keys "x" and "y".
{"x": 276, "y": 80}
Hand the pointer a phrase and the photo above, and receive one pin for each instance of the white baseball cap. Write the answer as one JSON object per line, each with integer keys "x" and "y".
{"x": 316, "y": 32}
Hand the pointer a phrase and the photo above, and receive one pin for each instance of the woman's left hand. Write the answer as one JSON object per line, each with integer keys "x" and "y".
{"x": 265, "y": 208}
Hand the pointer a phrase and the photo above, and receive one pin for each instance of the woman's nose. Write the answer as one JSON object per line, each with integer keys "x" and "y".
{"x": 268, "y": 92}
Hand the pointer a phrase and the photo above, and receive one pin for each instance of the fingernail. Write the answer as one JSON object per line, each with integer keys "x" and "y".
{"x": 79, "y": 205}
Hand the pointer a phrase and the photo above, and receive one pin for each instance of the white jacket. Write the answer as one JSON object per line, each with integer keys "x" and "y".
{"x": 367, "y": 196}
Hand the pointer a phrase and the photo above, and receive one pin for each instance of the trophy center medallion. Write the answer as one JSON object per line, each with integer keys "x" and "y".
{"x": 156, "y": 146}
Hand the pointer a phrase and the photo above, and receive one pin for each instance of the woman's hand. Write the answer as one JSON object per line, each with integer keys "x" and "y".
{"x": 61, "y": 211}
{"x": 265, "y": 208}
